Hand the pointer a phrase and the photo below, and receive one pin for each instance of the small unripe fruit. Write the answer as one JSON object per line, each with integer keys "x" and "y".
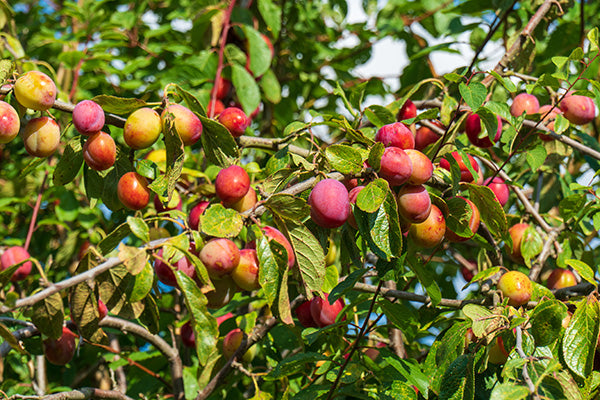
{"x": 396, "y": 167}
{"x": 187, "y": 124}
{"x": 579, "y": 110}
{"x": 396, "y": 135}
{"x": 9, "y": 122}
{"x": 473, "y": 130}
{"x": 473, "y": 224}
{"x": 515, "y": 286}
{"x": 232, "y": 184}
{"x": 499, "y": 188}
{"x": 195, "y": 213}
{"x": 142, "y": 128}
{"x": 187, "y": 335}
{"x": 430, "y": 232}
{"x": 274, "y": 234}
{"x": 133, "y": 191}
{"x": 100, "y": 151}
{"x": 329, "y": 204}
{"x": 422, "y": 167}
{"x": 220, "y": 257}
{"x": 41, "y": 136}
{"x": 60, "y": 351}
{"x": 14, "y": 255}
{"x": 561, "y": 278}
{"x": 465, "y": 174}
{"x": 414, "y": 203}
{"x": 245, "y": 274}
{"x": 88, "y": 117}
{"x": 235, "y": 120}
{"x": 408, "y": 111}
{"x": 35, "y": 90}
{"x": 524, "y": 103}
{"x": 516, "y": 233}
{"x": 323, "y": 313}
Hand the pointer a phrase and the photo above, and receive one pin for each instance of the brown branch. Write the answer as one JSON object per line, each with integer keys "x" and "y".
{"x": 272, "y": 144}
{"x": 78, "y": 394}
{"x": 395, "y": 334}
{"x": 171, "y": 353}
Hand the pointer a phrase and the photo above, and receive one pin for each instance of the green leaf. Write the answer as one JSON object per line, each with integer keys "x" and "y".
{"x": 246, "y": 88}
{"x": 270, "y": 87}
{"x": 203, "y": 323}
{"x": 288, "y": 206}
{"x": 375, "y": 154}
{"x": 142, "y": 284}
{"x": 69, "y": 164}
{"x": 426, "y": 277}
{"x": 580, "y": 338}
{"x": 459, "y": 217}
{"x": 531, "y": 245}
{"x": 344, "y": 159}
{"x": 84, "y": 313}
{"x": 492, "y": 213}
{"x": 473, "y": 94}
{"x": 139, "y": 228}
{"x": 221, "y": 222}
{"x": 372, "y": 196}
{"x": 118, "y": 105}
{"x": 8, "y": 337}
{"x": 310, "y": 256}
{"x": 294, "y": 364}
{"x": 546, "y": 322}
{"x": 271, "y": 14}
{"x": 218, "y": 144}
{"x": 133, "y": 258}
{"x": 536, "y": 157}
{"x": 346, "y": 285}
{"x": 111, "y": 241}
{"x": 114, "y": 286}
{"x": 48, "y": 316}
{"x": 273, "y": 277}
{"x": 190, "y": 100}
{"x": 457, "y": 379}
{"x": 584, "y": 270}
{"x": 258, "y": 51}
{"x": 379, "y": 116}
{"x": 509, "y": 391}
{"x": 507, "y": 83}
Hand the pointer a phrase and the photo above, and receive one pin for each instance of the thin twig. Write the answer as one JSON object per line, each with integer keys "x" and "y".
{"x": 36, "y": 209}
{"x": 519, "y": 349}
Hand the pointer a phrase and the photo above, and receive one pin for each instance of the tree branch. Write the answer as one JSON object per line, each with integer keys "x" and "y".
{"x": 78, "y": 394}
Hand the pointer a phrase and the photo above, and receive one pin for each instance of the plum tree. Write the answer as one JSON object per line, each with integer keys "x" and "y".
{"x": 188, "y": 338}
{"x": 516, "y": 232}
{"x": 41, "y": 136}
{"x": 195, "y": 213}
{"x": 422, "y": 167}
{"x": 245, "y": 203}
{"x": 174, "y": 203}
{"x": 100, "y": 151}
{"x": 424, "y": 136}
{"x": 352, "y": 195}
{"x": 407, "y": 111}
{"x": 329, "y": 204}
{"x": 474, "y": 222}
{"x": 500, "y": 189}
{"x": 232, "y": 184}
{"x": 304, "y": 315}
{"x": 133, "y": 191}
{"x": 473, "y": 130}
{"x": 35, "y": 90}
{"x": 223, "y": 292}
{"x": 465, "y": 173}
{"x": 88, "y": 117}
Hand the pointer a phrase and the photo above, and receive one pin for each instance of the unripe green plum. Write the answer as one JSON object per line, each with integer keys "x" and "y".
{"x": 142, "y": 128}
{"x": 35, "y": 90}
{"x": 41, "y": 136}
{"x": 422, "y": 167}
{"x": 9, "y": 122}
{"x": 100, "y": 151}
{"x": 224, "y": 290}
{"x": 561, "y": 278}
{"x": 407, "y": 111}
{"x": 396, "y": 135}
{"x": 516, "y": 233}
{"x": 465, "y": 174}
{"x": 414, "y": 203}
{"x": 245, "y": 274}
{"x": 88, "y": 117}
{"x": 329, "y": 204}
{"x": 60, "y": 351}
{"x": 232, "y": 184}
{"x": 579, "y": 110}
{"x": 524, "y": 103}
{"x": 235, "y": 120}
{"x": 396, "y": 167}
{"x": 430, "y": 232}
{"x": 187, "y": 124}
{"x": 515, "y": 286}
{"x": 245, "y": 203}
{"x": 14, "y": 255}
{"x": 274, "y": 234}
{"x": 473, "y": 224}
{"x": 220, "y": 257}
{"x": 195, "y": 213}
{"x": 133, "y": 191}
